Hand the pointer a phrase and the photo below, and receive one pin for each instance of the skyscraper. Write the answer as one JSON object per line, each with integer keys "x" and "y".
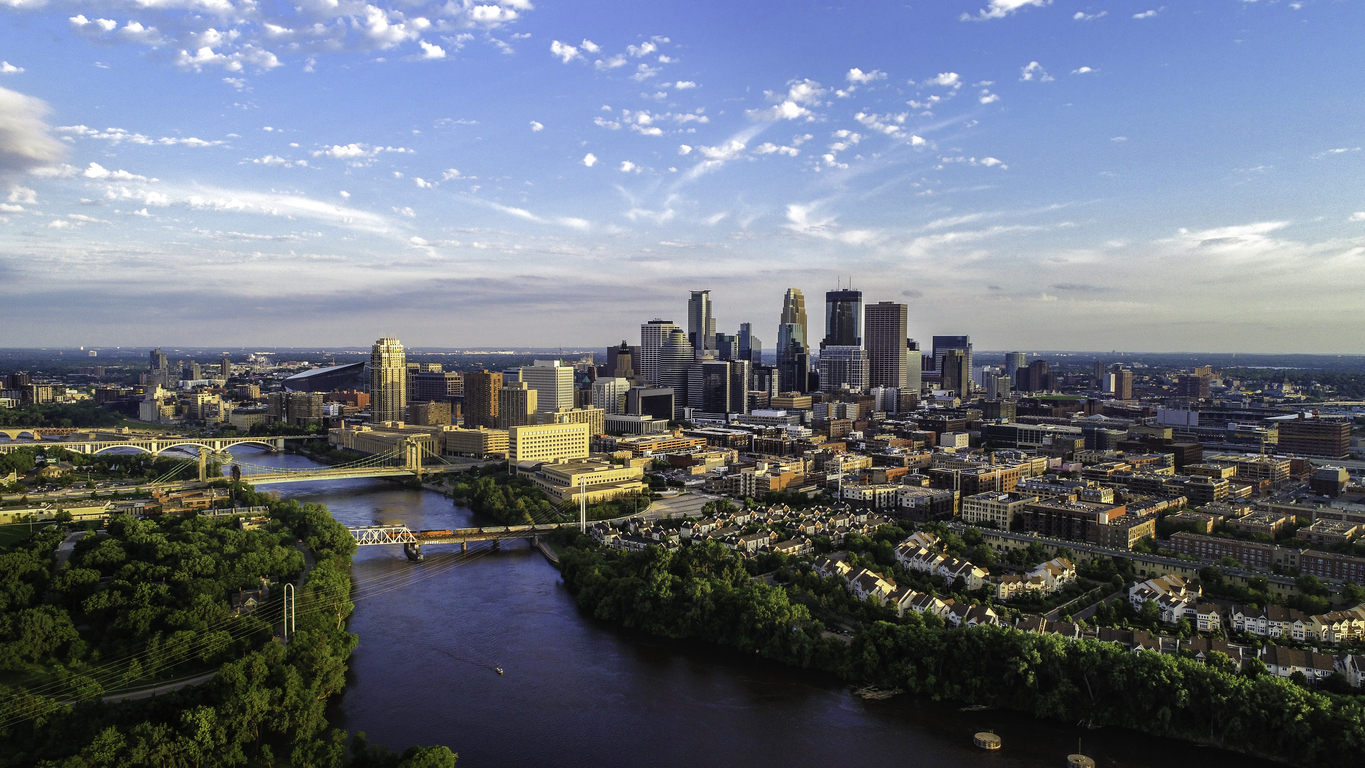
{"x": 388, "y": 381}
{"x": 708, "y": 386}
{"x": 843, "y": 366}
{"x": 793, "y": 357}
{"x": 553, "y": 383}
{"x": 1013, "y": 362}
{"x": 843, "y": 319}
{"x": 517, "y": 405}
{"x": 1123, "y": 382}
{"x": 954, "y": 371}
{"x": 675, "y": 358}
{"x": 225, "y": 368}
{"x": 886, "y": 348}
{"x": 701, "y": 326}
{"x": 481, "y": 395}
{"x": 794, "y": 311}
{"x": 750, "y": 346}
{"x": 964, "y": 343}
{"x": 914, "y": 367}
{"x": 652, "y": 336}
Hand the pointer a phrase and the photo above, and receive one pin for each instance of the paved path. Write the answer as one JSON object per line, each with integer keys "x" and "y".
{"x": 160, "y": 688}
{"x": 67, "y": 547}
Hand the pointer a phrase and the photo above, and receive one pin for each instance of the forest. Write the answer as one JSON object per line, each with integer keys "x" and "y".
{"x": 151, "y": 600}
{"x": 703, "y": 592}
{"x": 82, "y": 414}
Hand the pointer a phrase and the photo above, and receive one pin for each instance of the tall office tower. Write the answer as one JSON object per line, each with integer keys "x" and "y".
{"x": 516, "y": 405}
{"x": 652, "y": 336}
{"x": 843, "y": 319}
{"x": 963, "y": 343}
{"x": 1123, "y": 382}
{"x": 954, "y": 371}
{"x": 553, "y": 383}
{"x": 481, "y": 391}
{"x": 191, "y": 372}
{"x": 609, "y": 394}
{"x": 741, "y": 378}
{"x": 793, "y": 357}
{"x": 1099, "y": 370}
{"x": 914, "y": 374}
{"x": 727, "y": 346}
{"x": 701, "y": 325}
{"x": 1013, "y": 362}
{"x": 388, "y": 381}
{"x": 674, "y": 360}
{"x": 708, "y": 386}
{"x": 887, "y": 353}
{"x": 1035, "y": 377}
{"x": 843, "y": 366}
{"x": 426, "y": 386}
{"x": 623, "y": 361}
{"x": 160, "y": 369}
{"x": 750, "y": 346}
{"x": 225, "y": 368}
{"x": 997, "y": 386}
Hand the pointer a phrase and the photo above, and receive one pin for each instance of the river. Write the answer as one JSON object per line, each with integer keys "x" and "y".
{"x": 581, "y": 694}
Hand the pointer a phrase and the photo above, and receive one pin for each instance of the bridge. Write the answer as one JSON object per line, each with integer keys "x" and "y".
{"x": 152, "y": 445}
{"x": 412, "y": 541}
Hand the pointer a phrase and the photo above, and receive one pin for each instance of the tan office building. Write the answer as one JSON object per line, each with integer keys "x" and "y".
{"x": 516, "y": 405}
{"x": 547, "y": 442}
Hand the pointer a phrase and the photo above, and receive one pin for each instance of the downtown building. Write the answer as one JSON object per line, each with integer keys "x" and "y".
{"x": 388, "y": 381}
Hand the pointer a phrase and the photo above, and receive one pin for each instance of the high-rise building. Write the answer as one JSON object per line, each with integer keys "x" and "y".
{"x": 727, "y": 346}
{"x": 955, "y": 375}
{"x": 516, "y": 405}
{"x": 794, "y": 311}
{"x": 914, "y": 372}
{"x": 388, "y": 381}
{"x": 708, "y": 386}
{"x": 1036, "y": 377}
{"x": 652, "y": 336}
{"x": 843, "y": 366}
{"x": 997, "y": 386}
{"x": 701, "y": 325}
{"x": 623, "y": 361}
{"x": 547, "y": 442}
{"x": 793, "y": 357}
{"x": 887, "y": 352}
{"x": 843, "y": 319}
{"x": 1099, "y": 370}
{"x": 650, "y": 401}
{"x": 426, "y": 386}
{"x": 1315, "y": 436}
{"x": 964, "y": 343}
{"x": 1123, "y": 382}
{"x": 675, "y": 358}
{"x": 750, "y": 346}
{"x": 481, "y": 393}
{"x": 609, "y": 394}
{"x": 1013, "y": 362}
{"x": 225, "y": 368}
{"x": 553, "y": 383}
{"x": 1194, "y": 387}
{"x": 429, "y": 414}
{"x": 741, "y": 378}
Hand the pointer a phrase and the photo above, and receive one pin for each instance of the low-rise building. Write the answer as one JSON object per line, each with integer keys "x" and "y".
{"x": 993, "y": 508}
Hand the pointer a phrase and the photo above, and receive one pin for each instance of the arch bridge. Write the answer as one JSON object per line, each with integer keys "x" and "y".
{"x": 153, "y": 445}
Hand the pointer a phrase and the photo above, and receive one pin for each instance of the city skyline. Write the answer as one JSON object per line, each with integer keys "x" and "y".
{"x": 1156, "y": 178}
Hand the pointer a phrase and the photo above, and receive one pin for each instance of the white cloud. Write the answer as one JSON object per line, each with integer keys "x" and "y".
{"x": 945, "y": 79}
{"x": 610, "y": 63}
{"x": 1147, "y": 14}
{"x": 1119, "y": 138}
{"x": 628, "y": 167}
{"x": 1082, "y": 71}
{"x": 1357, "y": 216}
{"x": 345, "y": 195}
{"x": 1337, "y": 151}
{"x": 536, "y": 126}
{"x": 7, "y": 68}
{"x": 644, "y": 72}
{"x": 18, "y": 194}
{"x": 7, "y": 208}
{"x": 1034, "y": 70}
{"x": 683, "y": 85}
{"x": 99, "y": 172}
{"x": 280, "y": 161}
{"x": 1082, "y": 16}
{"x": 891, "y": 125}
{"x": 988, "y": 162}
{"x": 610, "y": 125}
{"x": 451, "y": 173}
{"x": 564, "y": 51}
{"x": 999, "y": 9}
{"x": 590, "y": 46}
{"x": 590, "y": 159}
{"x": 25, "y": 144}
{"x": 423, "y": 183}
{"x": 58, "y": 224}
{"x": 641, "y": 50}
{"x": 357, "y": 154}
{"x": 406, "y": 212}
{"x": 119, "y": 136}
{"x": 987, "y": 97}
{"x": 683, "y": 149}
{"x": 431, "y": 50}
{"x": 768, "y": 148}
{"x": 858, "y": 76}
{"x": 790, "y": 105}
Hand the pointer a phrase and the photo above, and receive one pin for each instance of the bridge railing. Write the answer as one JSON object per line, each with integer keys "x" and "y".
{"x": 383, "y": 534}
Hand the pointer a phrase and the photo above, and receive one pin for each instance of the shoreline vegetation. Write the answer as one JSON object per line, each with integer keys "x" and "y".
{"x": 703, "y": 592}
{"x": 149, "y": 601}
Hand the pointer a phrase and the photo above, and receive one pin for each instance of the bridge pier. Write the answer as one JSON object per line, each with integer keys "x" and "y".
{"x": 414, "y": 552}
{"x": 464, "y": 546}
{"x": 497, "y": 544}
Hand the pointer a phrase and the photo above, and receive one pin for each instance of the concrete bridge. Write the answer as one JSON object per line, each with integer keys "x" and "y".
{"x": 152, "y": 445}
{"x": 412, "y": 541}
{"x": 344, "y": 473}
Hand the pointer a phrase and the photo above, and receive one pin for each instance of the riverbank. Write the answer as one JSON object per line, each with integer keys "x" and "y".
{"x": 705, "y": 595}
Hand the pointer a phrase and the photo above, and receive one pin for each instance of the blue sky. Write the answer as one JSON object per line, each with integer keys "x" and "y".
{"x": 1122, "y": 175}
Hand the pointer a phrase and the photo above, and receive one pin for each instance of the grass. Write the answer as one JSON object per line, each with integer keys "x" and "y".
{"x": 16, "y": 532}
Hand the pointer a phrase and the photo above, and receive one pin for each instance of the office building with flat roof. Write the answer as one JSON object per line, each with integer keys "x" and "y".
{"x": 885, "y": 329}
{"x": 388, "y": 381}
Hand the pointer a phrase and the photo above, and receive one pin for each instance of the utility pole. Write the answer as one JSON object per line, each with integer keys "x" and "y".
{"x": 289, "y": 606}
{"x": 583, "y": 505}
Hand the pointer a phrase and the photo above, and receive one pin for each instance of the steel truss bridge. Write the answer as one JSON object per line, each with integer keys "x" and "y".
{"x": 412, "y": 541}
